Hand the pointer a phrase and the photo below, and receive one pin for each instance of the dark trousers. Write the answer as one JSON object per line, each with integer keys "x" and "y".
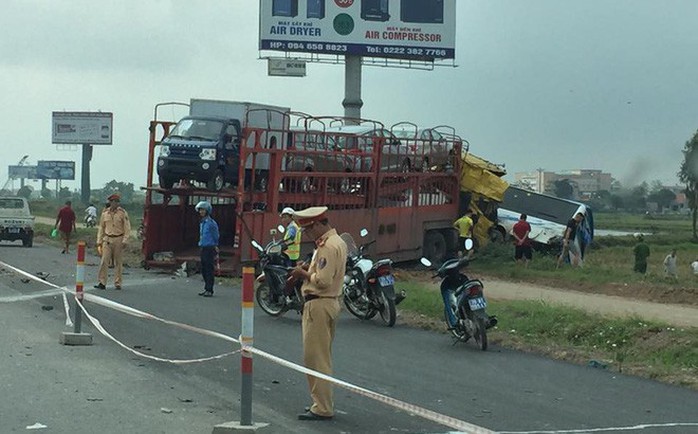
{"x": 208, "y": 257}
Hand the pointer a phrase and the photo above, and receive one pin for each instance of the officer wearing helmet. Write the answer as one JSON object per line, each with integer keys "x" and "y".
{"x": 292, "y": 236}
{"x": 208, "y": 242}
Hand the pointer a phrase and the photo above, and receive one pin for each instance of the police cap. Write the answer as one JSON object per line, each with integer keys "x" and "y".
{"x": 310, "y": 215}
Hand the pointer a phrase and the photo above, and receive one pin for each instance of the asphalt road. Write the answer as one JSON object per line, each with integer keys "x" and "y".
{"x": 105, "y": 388}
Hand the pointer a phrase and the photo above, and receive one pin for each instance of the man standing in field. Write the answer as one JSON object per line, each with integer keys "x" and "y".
{"x": 522, "y": 244}
{"x": 642, "y": 252}
{"x": 670, "y": 270}
{"x": 569, "y": 247}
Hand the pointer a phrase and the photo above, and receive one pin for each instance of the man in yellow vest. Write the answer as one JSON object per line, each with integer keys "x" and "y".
{"x": 292, "y": 236}
{"x": 464, "y": 225}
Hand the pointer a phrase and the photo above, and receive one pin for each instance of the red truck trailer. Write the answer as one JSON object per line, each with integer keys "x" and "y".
{"x": 408, "y": 213}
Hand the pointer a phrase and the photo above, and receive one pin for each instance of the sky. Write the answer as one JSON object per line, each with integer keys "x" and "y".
{"x": 558, "y": 85}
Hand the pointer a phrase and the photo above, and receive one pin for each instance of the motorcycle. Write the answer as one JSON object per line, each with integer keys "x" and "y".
{"x": 90, "y": 221}
{"x": 369, "y": 287}
{"x": 464, "y": 301}
{"x": 277, "y": 292}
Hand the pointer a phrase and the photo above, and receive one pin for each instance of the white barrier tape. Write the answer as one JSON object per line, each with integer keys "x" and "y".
{"x": 611, "y": 429}
{"x": 401, "y": 405}
{"x": 396, "y": 403}
{"x": 125, "y": 309}
{"x": 27, "y": 297}
{"x": 104, "y": 332}
{"x": 68, "y": 321}
{"x": 137, "y": 313}
{"x": 30, "y": 276}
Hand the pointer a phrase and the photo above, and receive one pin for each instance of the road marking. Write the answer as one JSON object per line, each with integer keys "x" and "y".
{"x": 616, "y": 428}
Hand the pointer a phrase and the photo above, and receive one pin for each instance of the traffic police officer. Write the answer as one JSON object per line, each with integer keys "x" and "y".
{"x": 112, "y": 234}
{"x": 292, "y": 236}
{"x": 322, "y": 286}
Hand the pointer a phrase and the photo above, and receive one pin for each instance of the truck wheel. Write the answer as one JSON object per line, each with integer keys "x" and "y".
{"x": 496, "y": 235}
{"x": 434, "y": 246}
{"x": 166, "y": 182}
{"x": 451, "y": 243}
{"x": 216, "y": 182}
{"x": 28, "y": 241}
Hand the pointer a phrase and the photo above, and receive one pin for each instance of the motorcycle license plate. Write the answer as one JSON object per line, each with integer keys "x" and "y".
{"x": 386, "y": 280}
{"x": 477, "y": 303}
{"x": 13, "y": 230}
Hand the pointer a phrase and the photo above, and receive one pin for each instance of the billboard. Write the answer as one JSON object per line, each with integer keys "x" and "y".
{"x": 19, "y": 172}
{"x": 286, "y": 67}
{"x": 82, "y": 128}
{"x": 55, "y": 170}
{"x": 402, "y": 29}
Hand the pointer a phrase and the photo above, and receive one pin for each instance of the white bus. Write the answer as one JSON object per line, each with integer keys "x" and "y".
{"x": 547, "y": 215}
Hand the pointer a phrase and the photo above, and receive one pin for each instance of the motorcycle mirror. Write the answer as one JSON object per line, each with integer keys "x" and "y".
{"x": 281, "y": 229}
{"x": 272, "y": 232}
{"x": 468, "y": 244}
{"x": 256, "y": 245}
{"x": 363, "y": 232}
{"x": 425, "y": 262}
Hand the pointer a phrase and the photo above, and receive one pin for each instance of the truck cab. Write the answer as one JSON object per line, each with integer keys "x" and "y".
{"x": 201, "y": 148}
{"x": 16, "y": 221}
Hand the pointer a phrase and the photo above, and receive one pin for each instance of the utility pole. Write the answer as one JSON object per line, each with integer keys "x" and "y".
{"x": 85, "y": 178}
{"x": 352, "y": 88}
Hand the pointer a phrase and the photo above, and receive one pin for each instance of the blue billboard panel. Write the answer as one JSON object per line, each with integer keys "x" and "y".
{"x": 21, "y": 172}
{"x": 55, "y": 170}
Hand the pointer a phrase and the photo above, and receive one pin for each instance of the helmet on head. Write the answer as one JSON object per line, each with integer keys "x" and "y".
{"x": 288, "y": 210}
{"x": 204, "y": 205}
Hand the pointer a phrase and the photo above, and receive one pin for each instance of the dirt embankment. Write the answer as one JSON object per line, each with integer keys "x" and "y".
{"x": 676, "y": 306}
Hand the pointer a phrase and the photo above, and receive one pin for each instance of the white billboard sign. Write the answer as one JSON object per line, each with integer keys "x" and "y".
{"x": 286, "y": 67}
{"x": 82, "y": 128}
{"x": 404, "y": 29}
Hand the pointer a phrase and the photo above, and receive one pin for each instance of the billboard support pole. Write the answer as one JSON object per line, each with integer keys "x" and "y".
{"x": 352, "y": 88}
{"x": 85, "y": 178}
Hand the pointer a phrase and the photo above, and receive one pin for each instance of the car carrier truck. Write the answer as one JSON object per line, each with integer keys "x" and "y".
{"x": 410, "y": 214}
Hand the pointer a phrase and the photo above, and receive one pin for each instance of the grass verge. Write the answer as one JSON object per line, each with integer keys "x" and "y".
{"x": 629, "y": 345}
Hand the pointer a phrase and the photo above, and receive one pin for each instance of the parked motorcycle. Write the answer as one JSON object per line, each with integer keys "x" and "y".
{"x": 277, "y": 292}
{"x": 464, "y": 301}
{"x": 369, "y": 287}
{"x": 90, "y": 221}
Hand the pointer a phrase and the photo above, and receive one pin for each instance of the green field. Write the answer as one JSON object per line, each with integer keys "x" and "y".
{"x": 609, "y": 260}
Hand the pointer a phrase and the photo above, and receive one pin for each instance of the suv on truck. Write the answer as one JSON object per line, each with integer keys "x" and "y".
{"x": 204, "y": 149}
{"x": 205, "y": 146}
{"x": 16, "y": 221}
